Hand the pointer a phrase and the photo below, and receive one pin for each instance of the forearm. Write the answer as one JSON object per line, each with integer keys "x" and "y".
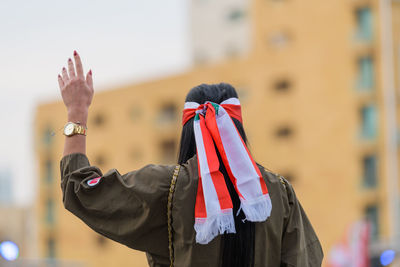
{"x": 76, "y": 143}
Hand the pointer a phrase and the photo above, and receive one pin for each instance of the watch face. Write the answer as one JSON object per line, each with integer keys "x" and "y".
{"x": 69, "y": 129}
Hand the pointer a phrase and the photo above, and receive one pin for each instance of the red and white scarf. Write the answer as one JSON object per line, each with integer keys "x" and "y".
{"x": 214, "y": 208}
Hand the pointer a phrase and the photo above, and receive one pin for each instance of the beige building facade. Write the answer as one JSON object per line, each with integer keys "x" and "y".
{"x": 311, "y": 89}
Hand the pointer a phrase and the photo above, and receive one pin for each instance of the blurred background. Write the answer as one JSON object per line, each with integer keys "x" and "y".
{"x": 318, "y": 81}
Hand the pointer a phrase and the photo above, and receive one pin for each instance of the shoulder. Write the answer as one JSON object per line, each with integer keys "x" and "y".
{"x": 153, "y": 175}
{"x": 280, "y": 190}
{"x": 273, "y": 178}
{"x": 188, "y": 171}
{"x": 157, "y": 170}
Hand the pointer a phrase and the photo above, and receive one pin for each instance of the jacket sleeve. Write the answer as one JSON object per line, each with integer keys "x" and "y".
{"x": 300, "y": 244}
{"x": 129, "y": 208}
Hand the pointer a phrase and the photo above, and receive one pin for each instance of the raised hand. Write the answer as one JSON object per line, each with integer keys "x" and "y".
{"x": 76, "y": 89}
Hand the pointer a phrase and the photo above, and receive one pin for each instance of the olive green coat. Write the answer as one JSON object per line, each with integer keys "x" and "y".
{"x": 132, "y": 210}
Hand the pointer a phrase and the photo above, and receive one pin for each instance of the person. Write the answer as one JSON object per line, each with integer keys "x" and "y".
{"x": 216, "y": 207}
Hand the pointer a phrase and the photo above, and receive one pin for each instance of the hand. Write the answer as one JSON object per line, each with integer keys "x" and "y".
{"x": 76, "y": 90}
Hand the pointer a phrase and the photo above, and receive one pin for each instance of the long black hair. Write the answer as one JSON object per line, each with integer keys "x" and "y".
{"x": 238, "y": 249}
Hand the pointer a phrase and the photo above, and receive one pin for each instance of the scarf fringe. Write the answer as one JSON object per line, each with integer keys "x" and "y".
{"x": 257, "y": 210}
{"x": 210, "y": 227}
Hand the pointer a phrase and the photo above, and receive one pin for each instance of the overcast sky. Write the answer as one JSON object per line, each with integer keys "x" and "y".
{"x": 122, "y": 41}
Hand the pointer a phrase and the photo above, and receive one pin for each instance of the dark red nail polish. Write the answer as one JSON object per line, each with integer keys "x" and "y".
{"x": 75, "y": 53}
{"x": 90, "y": 72}
{"x": 69, "y": 59}
{"x": 64, "y": 68}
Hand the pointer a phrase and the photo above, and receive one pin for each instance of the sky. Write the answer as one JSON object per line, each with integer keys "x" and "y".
{"x": 122, "y": 41}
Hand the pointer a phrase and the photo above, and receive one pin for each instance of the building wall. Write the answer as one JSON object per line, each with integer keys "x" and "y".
{"x": 310, "y": 107}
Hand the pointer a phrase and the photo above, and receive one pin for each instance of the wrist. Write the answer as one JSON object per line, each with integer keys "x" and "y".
{"x": 75, "y": 115}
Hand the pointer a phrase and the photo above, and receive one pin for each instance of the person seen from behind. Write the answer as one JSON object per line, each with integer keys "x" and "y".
{"x": 216, "y": 207}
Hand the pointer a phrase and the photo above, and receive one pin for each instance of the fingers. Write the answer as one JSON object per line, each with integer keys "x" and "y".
{"x": 71, "y": 68}
{"x": 78, "y": 65}
{"x": 65, "y": 75}
{"x": 89, "y": 79}
{"x": 60, "y": 81}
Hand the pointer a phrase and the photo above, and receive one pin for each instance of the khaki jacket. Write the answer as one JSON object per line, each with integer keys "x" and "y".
{"x": 132, "y": 210}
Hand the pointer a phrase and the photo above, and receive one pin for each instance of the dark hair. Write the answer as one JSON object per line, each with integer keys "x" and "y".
{"x": 238, "y": 249}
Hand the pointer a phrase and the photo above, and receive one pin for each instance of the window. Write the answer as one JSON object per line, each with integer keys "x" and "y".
{"x": 49, "y": 171}
{"x": 398, "y": 137}
{"x": 365, "y": 73}
{"x": 51, "y": 248}
{"x": 47, "y": 136}
{"x": 284, "y": 132}
{"x": 370, "y": 171}
{"x": 168, "y": 113}
{"x": 6, "y": 193}
{"x": 100, "y": 160}
{"x": 282, "y": 85}
{"x": 99, "y": 119}
{"x": 101, "y": 240}
{"x": 364, "y": 23}
{"x": 50, "y": 211}
{"x": 135, "y": 113}
{"x": 369, "y": 122}
{"x": 279, "y": 39}
{"x": 371, "y": 214}
{"x": 168, "y": 151}
{"x": 236, "y": 15}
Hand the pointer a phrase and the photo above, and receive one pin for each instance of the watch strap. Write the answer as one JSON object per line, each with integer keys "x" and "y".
{"x": 80, "y": 129}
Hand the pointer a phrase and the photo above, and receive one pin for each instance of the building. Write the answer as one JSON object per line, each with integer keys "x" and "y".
{"x": 312, "y": 88}
{"x": 6, "y": 192}
{"x": 219, "y": 29}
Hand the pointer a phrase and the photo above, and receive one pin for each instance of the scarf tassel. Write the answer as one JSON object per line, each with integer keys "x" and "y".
{"x": 257, "y": 210}
{"x": 210, "y": 227}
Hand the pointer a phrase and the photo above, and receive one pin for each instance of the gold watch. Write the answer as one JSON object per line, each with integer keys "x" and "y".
{"x": 72, "y": 128}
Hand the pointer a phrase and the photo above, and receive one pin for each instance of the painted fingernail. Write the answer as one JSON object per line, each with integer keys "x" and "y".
{"x": 75, "y": 53}
{"x": 90, "y": 72}
{"x": 64, "y": 68}
{"x": 69, "y": 59}
{"x": 59, "y": 76}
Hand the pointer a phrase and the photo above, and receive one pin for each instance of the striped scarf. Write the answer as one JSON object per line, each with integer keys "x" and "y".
{"x": 213, "y": 127}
